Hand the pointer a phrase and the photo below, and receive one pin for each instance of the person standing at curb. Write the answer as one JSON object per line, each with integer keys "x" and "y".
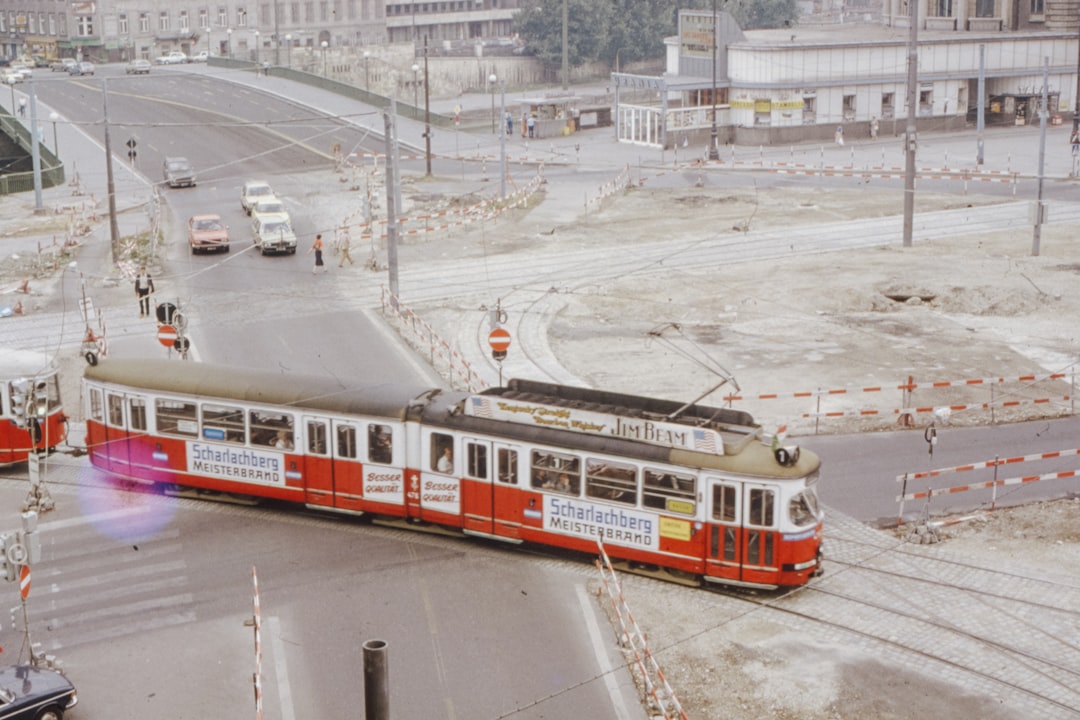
{"x": 144, "y": 286}
{"x": 317, "y": 248}
{"x": 345, "y": 244}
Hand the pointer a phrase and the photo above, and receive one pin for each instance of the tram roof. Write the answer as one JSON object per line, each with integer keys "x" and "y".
{"x": 312, "y": 392}
{"x": 16, "y": 364}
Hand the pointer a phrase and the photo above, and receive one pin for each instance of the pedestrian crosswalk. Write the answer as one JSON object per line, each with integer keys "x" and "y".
{"x": 95, "y": 584}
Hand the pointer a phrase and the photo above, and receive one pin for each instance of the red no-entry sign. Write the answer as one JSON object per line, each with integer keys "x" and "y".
{"x": 167, "y": 335}
{"x": 499, "y": 339}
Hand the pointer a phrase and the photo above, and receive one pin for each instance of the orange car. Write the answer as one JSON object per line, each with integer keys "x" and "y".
{"x": 207, "y": 232}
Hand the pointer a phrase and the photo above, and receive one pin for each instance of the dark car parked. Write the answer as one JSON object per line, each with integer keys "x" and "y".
{"x": 31, "y": 693}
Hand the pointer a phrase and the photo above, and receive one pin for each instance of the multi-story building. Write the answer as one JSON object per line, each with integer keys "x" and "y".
{"x": 115, "y": 30}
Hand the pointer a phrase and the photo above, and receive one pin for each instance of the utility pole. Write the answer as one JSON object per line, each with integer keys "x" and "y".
{"x": 35, "y": 150}
{"x": 1036, "y": 237}
{"x": 910, "y": 136}
{"x": 110, "y": 186}
{"x": 427, "y": 113}
{"x": 391, "y": 209}
{"x": 565, "y": 47}
{"x": 714, "y": 151}
{"x": 981, "y": 101}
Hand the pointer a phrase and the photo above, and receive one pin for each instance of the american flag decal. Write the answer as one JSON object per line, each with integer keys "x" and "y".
{"x": 481, "y": 407}
{"x": 705, "y": 441}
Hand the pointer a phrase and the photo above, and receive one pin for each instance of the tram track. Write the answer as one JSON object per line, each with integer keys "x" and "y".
{"x": 999, "y": 639}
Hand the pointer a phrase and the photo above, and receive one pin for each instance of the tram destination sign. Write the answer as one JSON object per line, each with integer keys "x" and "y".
{"x": 654, "y": 432}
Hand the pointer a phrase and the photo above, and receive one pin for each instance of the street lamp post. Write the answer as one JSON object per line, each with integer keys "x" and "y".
{"x": 491, "y": 81}
{"x": 11, "y": 82}
{"x": 229, "y": 33}
{"x": 415, "y": 85}
{"x": 367, "y": 56}
{"x": 427, "y": 113}
{"x": 256, "y": 50}
{"x": 714, "y": 151}
{"x": 324, "y": 45}
{"x": 288, "y": 49}
{"x": 502, "y": 140}
{"x": 54, "y": 116}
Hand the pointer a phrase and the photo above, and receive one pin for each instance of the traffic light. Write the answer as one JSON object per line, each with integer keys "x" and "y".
{"x": 41, "y": 398}
{"x": 19, "y": 398}
{"x": 8, "y": 570}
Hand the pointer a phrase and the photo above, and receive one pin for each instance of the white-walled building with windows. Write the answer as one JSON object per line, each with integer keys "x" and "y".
{"x": 773, "y": 86}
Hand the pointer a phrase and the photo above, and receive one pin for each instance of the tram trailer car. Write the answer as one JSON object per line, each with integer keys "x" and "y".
{"x": 690, "y": 490}
{"x": 20, "y": 372}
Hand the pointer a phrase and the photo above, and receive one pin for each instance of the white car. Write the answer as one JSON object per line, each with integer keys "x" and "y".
{"x": 199, "y": 56}
{"x": 273, "y": 235}
{"x": 252, "y": 192}
{"x": 173, "y": 57}
{"x": 269, "y": 207}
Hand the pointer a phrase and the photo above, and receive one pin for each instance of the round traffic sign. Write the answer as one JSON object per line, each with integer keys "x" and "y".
{"x": 499, "y": 339}
{"x": 167, "y": 335}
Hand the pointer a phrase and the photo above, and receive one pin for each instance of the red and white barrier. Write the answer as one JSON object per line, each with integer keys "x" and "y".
{"x": 631, "y": 637}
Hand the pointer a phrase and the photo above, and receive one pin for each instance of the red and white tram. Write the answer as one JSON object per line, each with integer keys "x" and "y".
{"x": 686, "y": 488}
{"x": 31, "y": 415}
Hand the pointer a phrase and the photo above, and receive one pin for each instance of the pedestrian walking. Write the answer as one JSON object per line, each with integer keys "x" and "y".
{"x": 873, "y": 127}
{"x": 524, "y": 123}
{"x": 509, "y": 124}
{"x": 22, "y": 107}
{"x": 144, "y": 287}
{"x": 839, "y": 134}
{"x": 266, "y": 67}
{"x": 345, "y": 244}
{"x": 317, "y": 248}
{"x": 532, "y": 126}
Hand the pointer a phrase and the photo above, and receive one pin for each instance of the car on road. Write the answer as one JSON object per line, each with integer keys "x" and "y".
{"x": 82, "y": 68}
{"x": 253, "y": 191}
{"x": 207, "y": 232}
{"x": 138, "y": 66}
{"x": 173, "y": 57}
{"x": 200, "y": 56}
{"x": 10, "y": 76}
{"x": 33, "y": 693}
{"x": 178, "y": 172}
{"x": 273, "y": 235}
{"x": 63, "y": 65}
{"x": 267, "y": 207}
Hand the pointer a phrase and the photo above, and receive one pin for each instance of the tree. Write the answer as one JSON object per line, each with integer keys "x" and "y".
{"x": 628, "y": 30}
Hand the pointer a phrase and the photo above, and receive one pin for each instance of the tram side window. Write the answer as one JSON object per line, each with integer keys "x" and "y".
{"x": 380, "y": 444}
{"x": 176, "y": 417}
{"x": 346, "y": 442}
{"x": 670, "y": 492}
{"x": 724, "y": 503}
{"x": 507, "y": 460}
{"x": 607, "y": 480}
{"x": 476, "y": 460}
{"x": 116, "y": 410}
{"x": 556, "y": 471}
{"x": 316, "y": 437}
{"x": 223, "y": 422}
{"x": 96, "y": 410}
{"x": 137, "y": 413}
{"x": 441, "y": 453}
{"x": 271, "y": 429}
{"x": 760, "y": 512}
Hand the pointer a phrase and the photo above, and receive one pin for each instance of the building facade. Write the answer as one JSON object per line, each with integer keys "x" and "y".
{"x": 800, "y": 83}
{"x": 118, "y": 30}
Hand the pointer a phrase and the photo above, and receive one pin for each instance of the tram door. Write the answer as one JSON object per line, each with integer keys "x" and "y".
{"x": 116, "y": 433}
{"x": 318, "y": 469}
{"x": 724, "y": 553}
{"x": 477, "y": 498}
{"x": 348, "y": 472}
{"x": 761, "y": 539}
